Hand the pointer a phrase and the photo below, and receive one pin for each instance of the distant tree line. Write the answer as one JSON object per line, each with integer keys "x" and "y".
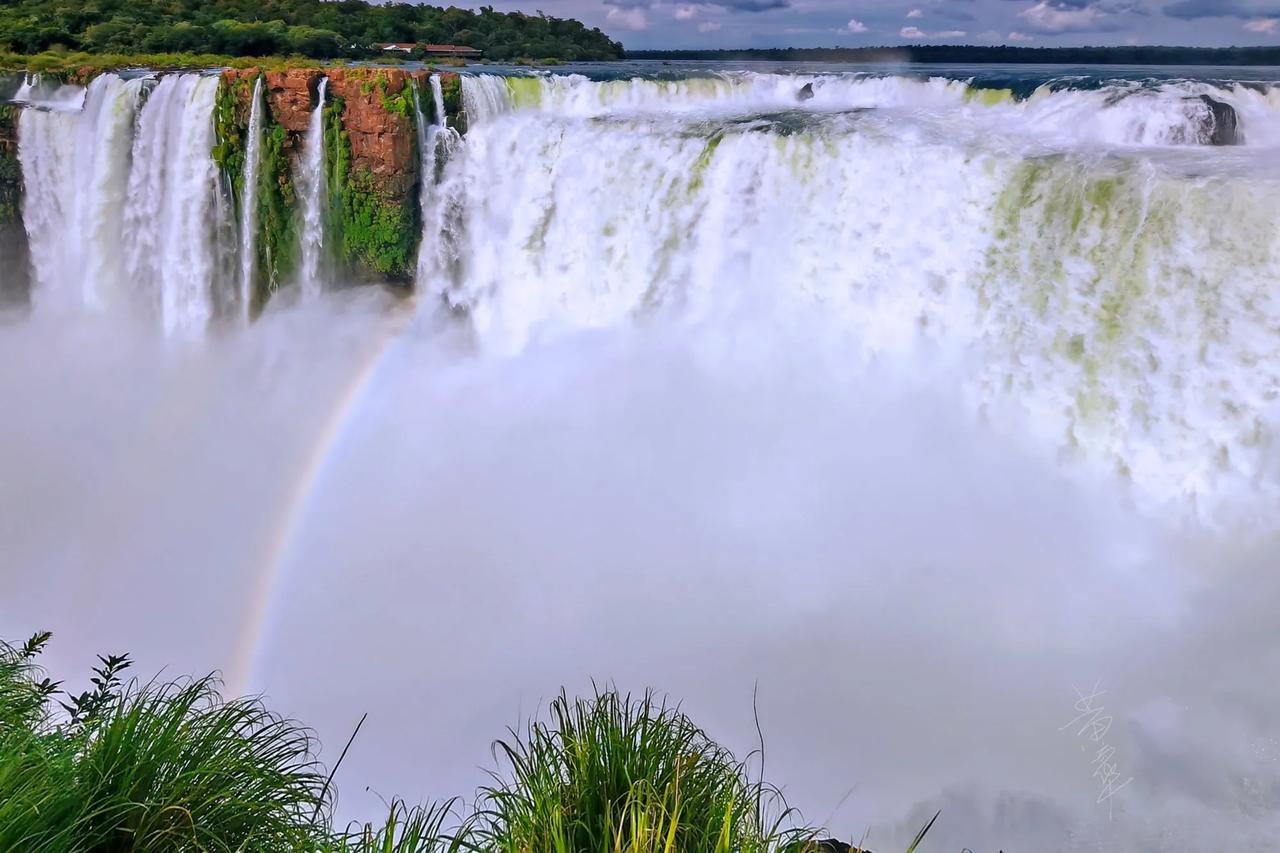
{"x": 318, "y": 29}
{"x": 940, "y": 53}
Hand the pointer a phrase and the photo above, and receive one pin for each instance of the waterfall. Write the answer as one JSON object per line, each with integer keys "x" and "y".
{"x": 437, "y": 100}
{"x": 311, "y": 191}
{"x": 75, "y": 167}
{"x": 437, "y": 250}
{"x": 249, "y": 200}
{"x": 169, "y": 205}
{"x": 49, "y": 93}
{"x": 1077, "y": 246}
{"x": 484, "y": 96}
{"x": 1106, "y": 299}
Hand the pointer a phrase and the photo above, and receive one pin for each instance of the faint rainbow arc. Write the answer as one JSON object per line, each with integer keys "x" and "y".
{"x": 285, "y": 530}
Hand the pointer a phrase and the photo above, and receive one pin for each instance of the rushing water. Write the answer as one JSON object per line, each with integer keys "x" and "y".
{"x": 312, "y": 191}
{"x": 1083, "y": 266}
{"x": 922, "y": 398}
{"x": 75, "y": 168}
{"x": 249, "y": 199}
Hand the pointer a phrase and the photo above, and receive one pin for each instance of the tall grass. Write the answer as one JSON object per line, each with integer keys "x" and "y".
{"x": 155, "y": 766}
{"x": 173, "y": 766}
{"x": 617, "y": 775}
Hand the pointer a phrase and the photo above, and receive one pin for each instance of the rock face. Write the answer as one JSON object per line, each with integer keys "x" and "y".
{"x": 15, "y": 280}
{"x": 371, "y": 147}
{"x": 805, "y": 93}
{"x": 1222, "y": 126}
{"x": 378, "y": 119}
{"x": 292, "y": 95}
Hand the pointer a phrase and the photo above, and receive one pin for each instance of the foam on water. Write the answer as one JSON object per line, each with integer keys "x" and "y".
{"x": 1128, "y": 113}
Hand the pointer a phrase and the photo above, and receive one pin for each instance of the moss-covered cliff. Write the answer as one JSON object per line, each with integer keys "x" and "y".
{"x": 286, "y": 106}
{"x": 372, "y": 221}
{"x": 372, "y": 164}
{"x": 14, "y": 266}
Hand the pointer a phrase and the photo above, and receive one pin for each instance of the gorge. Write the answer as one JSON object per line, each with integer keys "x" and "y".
{"x": 923, "y": 397}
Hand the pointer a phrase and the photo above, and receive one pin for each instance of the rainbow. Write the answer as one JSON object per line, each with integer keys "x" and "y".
{"x": 293, "y": 511}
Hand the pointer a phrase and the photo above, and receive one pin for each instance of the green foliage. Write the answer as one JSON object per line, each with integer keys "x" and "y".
{"x": 148, "y": 767}
{"x": 451, "y": 94}
{"x": 277, "y": 212}
{"x": 613, "y": 773}
{"x": 81, "y": 67}
{"x": 276, "y": 202}
{"x": 230, "y": 127}
{"x": 416, "y": 829}
{"x": 400, "y": 103}
{"x": 173, "y": 766}
{"x": 378, "y": 231}
{"x": 312, "y": 28}
{"x": 10, "y": 168}
{"x": 87, "y": 708}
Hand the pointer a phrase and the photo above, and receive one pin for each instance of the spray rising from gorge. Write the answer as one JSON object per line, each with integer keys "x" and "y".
{"x": 887, "y": 392}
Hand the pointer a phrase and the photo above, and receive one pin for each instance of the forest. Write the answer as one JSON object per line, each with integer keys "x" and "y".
{"x": 317, "y": 29}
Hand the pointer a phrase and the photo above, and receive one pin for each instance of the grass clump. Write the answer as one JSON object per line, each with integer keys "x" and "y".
{"x": 612, "y": 773}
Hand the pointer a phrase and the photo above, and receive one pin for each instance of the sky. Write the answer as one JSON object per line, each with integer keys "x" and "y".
{"x": 640, "y": 24}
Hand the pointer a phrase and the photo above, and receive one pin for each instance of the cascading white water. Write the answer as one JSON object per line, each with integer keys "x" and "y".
{"x": 437, "y": 99}
{"x": 168, "y": 210}
{"x": 484, "y": 96}
{"x": 49, "y": 94}
{"x": 75, "y": 167}
{"x": 436, "y": 144}
{"x": 1105, "y": 298}
{"x": 249, "y": 200}
{"x": 311, "y": 193}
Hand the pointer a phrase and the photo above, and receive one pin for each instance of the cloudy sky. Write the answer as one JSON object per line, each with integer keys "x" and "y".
{"x": 809, "y": 23}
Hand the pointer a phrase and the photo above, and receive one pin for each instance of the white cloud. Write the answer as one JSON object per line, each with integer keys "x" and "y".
{"x": 1263, "y": 25}
{"x": 684, "y": 13}
{"x": 855, "y": 26}
{"x": 630, "y": 19}
{"x": 1017, "y": 36}
{"x": 916, "y": 13}
{"x": 1047, "y": 17}
{"x": 917, "y": 33}
{"x": 708, "y": 26}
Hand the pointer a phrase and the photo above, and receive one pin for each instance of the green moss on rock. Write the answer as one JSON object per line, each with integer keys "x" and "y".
{"x": 10, "y": 168}
{"x": 230, "y": 128}
{"x": 276, "y": 239}
{"x": 377, "y": 229}
{"x": 277, "y": 242}
{"x": 451, "y": 94}
{"x": 14, "y": 257}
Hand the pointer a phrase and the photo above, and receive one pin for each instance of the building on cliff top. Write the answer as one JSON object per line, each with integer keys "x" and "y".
{"x": 432, "y": 49}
